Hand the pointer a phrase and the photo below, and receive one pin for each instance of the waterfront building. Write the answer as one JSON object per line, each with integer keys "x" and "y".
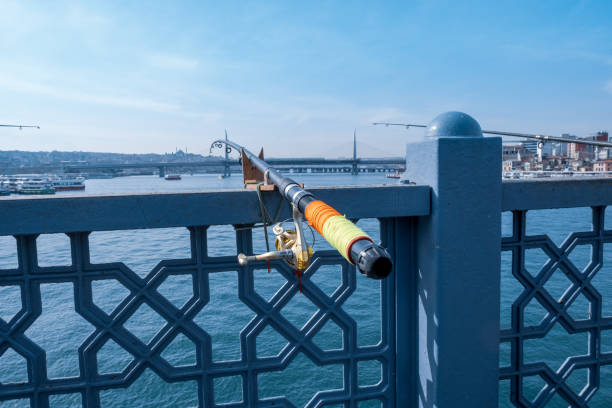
{"x": 563, "y": 148}
{"x": 602, "y": 166}
{"x": 548, "y": 148}
{"x": 531, "y": 146}
{"x": 513, "y": 152}
{"x": 555, "y": 162}
{"x": 507, "y": 165}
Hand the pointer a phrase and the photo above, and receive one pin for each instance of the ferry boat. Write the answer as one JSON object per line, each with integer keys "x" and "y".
{"x": 397, "y": 174}
{"x": 64, "y": 183}
{"x": 39, "y": 185}
{"x": 172, "y": 177}
{"x": 4, "y": 187}
{"x": 10, "y": 183}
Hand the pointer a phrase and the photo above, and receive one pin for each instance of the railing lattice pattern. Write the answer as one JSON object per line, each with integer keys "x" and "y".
{"x": 112, "y": 326}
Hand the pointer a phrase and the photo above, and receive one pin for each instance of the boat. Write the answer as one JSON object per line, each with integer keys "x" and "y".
{"x": 4, "y": 187}
{"x": 38, "y": 185}
{"x": 397, "y": 174}
{"x": 172, "y": 177}
{"x": 66, "y": 183}
{"x": 10, "y": 183}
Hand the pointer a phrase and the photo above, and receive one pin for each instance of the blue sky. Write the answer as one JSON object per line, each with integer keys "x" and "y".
{"x": 296, "y": 77}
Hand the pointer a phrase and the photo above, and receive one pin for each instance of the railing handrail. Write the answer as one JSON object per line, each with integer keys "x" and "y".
{"x": 566, "y": 193}
{"x": 162, "y": 210}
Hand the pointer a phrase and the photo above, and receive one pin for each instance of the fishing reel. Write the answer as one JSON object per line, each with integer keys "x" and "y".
{"x": 290, "y": 244}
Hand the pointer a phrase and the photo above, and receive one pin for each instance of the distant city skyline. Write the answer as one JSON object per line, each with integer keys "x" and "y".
{"x": 298, "y": 78}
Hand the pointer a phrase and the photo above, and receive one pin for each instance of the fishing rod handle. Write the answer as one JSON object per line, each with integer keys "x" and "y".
{"x": 351, "y": 241}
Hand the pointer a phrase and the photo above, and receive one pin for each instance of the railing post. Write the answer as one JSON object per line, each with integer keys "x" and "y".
{"x": 458, "y": 255}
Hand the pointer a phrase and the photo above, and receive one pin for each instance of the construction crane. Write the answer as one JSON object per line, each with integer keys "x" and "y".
{"x": 542, "y": 138}
{"x": 20, "y": 126}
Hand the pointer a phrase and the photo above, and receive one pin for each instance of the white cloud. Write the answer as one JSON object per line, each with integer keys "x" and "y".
{"x": 129, "y": 102}
{"x": 608, "y": 86}
{"x": 166, "y": 61}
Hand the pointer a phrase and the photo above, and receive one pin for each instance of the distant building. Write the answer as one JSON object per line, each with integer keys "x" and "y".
{"x": 601, "y": 166}
{"x": 507, "y": 165}
{"x": 589, "y": 152}
{"x": 602, "y": 136}
{"x": 563, "y": 148}
{"x": 579, "y": 151}
{"x": 548, "y": 149}
{"x": 602, "y": 153}
{"x": 513, "y": 152}
{"x": 531, "y": 146}
{"x": 558, "y": 156}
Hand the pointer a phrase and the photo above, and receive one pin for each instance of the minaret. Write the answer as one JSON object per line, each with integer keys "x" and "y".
{"x": 354, "y": 167}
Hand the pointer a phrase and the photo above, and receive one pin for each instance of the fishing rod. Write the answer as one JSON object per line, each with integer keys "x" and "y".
{"x": 541, "y": 138}
{"x": 353, "y": 244}
{"x": 20, "y": 126}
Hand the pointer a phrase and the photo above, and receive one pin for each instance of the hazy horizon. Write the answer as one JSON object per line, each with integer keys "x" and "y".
{"x": 299, "y": 78}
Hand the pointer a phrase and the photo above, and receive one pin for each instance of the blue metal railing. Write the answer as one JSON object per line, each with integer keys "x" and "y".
{"x": 557, "y": 300}
{"x": 78, "y": 216}
{"x": 440, "y": 326}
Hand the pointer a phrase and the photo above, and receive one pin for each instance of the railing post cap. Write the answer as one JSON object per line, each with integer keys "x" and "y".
{"x": 453, "y": 124}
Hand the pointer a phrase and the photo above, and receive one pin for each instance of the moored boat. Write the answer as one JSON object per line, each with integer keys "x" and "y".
{"x": 63, "y": 183}
{"x": 10, "y": 183}
{"x": 395, "y": 175}
{"x": 31, "y": 186}
{"x": 172, "y": 177}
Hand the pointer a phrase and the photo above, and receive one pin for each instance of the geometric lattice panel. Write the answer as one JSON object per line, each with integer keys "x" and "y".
{"x": 193, "y": 328}
{"x": 552, "y": 351}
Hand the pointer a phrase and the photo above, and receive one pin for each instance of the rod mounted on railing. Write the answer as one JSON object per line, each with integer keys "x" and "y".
{"x": 351, "y": 242}
{"x": 20, "y": 126}
{"x": 542, "y": 138}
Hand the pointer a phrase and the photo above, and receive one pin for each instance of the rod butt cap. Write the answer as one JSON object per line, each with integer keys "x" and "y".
{"x": 374, "y": 262}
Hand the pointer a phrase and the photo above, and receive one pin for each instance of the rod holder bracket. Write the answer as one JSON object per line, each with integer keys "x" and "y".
{"x": 252, "y": 176}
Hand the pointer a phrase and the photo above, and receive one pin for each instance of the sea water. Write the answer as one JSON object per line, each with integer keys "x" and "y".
{"x": 60, "y": 330}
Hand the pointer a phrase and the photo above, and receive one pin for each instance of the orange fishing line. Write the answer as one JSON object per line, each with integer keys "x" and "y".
{"x": 317, "y": 212}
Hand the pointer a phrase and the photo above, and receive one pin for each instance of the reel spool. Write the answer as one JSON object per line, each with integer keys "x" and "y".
{"x": 286, "y": 240}
{"x": 290, "y": 244}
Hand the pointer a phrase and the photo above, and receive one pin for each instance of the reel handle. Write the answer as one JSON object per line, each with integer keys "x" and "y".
{"x": 243, "y": 259}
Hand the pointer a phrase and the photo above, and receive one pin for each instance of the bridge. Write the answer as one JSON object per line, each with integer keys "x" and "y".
{"x": 295, "y": 165}
{"x": 447, "y": 335}
{"x": 354, "y": 165}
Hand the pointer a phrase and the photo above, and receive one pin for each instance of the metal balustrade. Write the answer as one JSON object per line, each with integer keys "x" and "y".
{"x": 441, "y": 333}
{"x": 564, "y": 291}
{"x": 78, "y": 216}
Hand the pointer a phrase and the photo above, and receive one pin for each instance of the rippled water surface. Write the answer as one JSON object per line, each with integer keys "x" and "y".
{"x": 60, "y": 330}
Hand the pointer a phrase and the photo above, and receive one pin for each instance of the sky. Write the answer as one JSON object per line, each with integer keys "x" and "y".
{"x": 296, "y": 77}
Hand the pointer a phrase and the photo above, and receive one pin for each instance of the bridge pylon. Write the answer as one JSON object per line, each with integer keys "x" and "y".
{"x": 354, "y": 170}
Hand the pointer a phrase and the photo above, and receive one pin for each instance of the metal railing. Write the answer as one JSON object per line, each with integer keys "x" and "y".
{"x": 558, "y": 301}
{"x": 442, "y": 341}
{"x": 28, "y": 220}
